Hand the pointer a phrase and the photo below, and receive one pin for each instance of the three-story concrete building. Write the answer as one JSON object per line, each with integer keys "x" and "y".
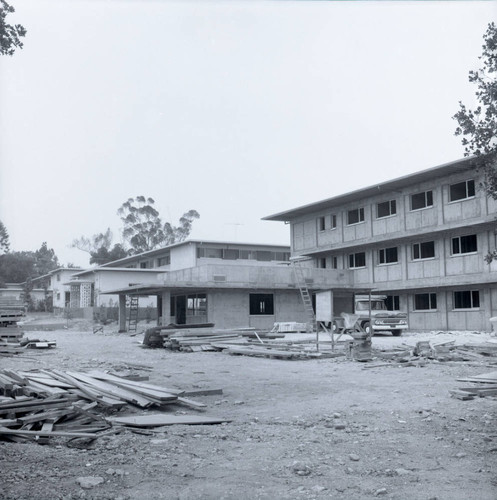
{"x": 420, "y": 239}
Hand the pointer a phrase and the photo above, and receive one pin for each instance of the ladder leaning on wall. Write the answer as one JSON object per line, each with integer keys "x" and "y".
{"x": 133, "y": 314}
{"x": 304, "y": 293}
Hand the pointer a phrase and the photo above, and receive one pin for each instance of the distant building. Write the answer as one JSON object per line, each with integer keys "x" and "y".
{"x": 420, "y": 239}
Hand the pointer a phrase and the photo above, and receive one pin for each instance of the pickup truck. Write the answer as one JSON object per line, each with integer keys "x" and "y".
{"x": 383, "y": 320}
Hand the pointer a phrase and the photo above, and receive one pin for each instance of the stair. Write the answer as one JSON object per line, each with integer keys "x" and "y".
{"x": 133, "y": 314}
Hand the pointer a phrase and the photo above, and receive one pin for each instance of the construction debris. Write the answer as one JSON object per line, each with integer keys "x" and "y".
{"x": 52, "y": 403}
{"x": 485, "y": 385}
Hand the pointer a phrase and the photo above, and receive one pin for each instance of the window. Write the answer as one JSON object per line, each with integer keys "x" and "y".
{"x": 284, "y": 256}
{"x": 355, "y": 216}
{"x": 425, "y": 301}
{"x": 247, "y": 254}
{"x": 261, "y": 303}
{"x": 334, "y": 262}
{"x": 321, "y": 223}
{"x": 164, "y": 261}
{"x": 230, "y": 254}
{"x": 393, "y": 302}
{"x": 58, "y": 295}
{"x": 58, "y": 277}
{"x": 143, "y": 265}
{"x": 264, "y": 255}
{"x": 322, "y": 263}
{"x": 196, "y": 305}
{"x": 467, "y": 299}
{"x": 388, "y": 255}
{"x": 461, "y": 190}
{"x": 464, "y": 244}
{"x": 386, "y": 209}
{"x": 424, "y": 250}
{"x": 357, "y": 260}
{"x": 333, "y": 221}
{"x": 421, "y": 200}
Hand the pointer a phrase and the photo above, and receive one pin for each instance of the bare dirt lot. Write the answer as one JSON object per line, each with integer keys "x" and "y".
{"x": 325, "y": 428}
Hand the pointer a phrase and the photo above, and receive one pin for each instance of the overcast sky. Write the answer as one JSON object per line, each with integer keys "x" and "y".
{"x": 236, "y": 109}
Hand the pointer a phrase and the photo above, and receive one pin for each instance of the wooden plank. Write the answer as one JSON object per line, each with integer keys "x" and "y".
{"x": 203, "y": 392}
{"x": 191, "y": 403}
{"x": 14, "y": 432}
{"x": 160, "y": 419}
{"x": 131, "y": 384}
{"x": 112, "y": 390}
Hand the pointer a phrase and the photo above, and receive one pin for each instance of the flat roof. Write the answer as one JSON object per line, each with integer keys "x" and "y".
{"x": 120, "y": 269}
{"x": 384, "y": 187}
{"x": 158, "y": 251}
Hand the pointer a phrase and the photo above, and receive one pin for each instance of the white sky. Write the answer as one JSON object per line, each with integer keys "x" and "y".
{"x": 236, "y": 109}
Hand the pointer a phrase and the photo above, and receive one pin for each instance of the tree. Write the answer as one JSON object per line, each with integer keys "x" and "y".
{"x": 143, "y": 228}
{"x": 9, "y": 35}
{"x": 17, "y": 267}
{"x": 99, "y": 246}
{"x": 478, "y": 127}
{"x": 4, "y": 239}
{"x": 45, "y": 260}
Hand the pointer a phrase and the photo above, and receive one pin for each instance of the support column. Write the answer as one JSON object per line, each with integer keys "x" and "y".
{"x": 166, "y": 308}
{"x": 122, "y": 313}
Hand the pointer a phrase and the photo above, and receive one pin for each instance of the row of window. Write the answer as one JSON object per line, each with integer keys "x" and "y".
{"x": 460, "y": 245}
{"x": 263, "y": 303}
{"x": 235, "y": 254}
{"x": 418, "y": 201}
{"x": 465, "y": 299}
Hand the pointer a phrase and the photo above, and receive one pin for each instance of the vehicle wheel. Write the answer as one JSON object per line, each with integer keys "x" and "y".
{"x": 396, "y": 333}
{"x": 367, "y": 327}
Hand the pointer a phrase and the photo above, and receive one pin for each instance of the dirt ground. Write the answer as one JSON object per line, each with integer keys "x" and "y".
{"x": 313, "y": 429}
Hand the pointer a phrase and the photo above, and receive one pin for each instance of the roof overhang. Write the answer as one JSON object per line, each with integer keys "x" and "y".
{"x": 384, "y": 187}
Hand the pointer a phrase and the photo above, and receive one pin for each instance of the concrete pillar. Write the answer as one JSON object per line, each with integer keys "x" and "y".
{"x": 166, "y": 308}
{"x": 122, "y": 313}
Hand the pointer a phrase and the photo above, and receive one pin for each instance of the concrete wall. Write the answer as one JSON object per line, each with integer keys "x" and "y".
{"x": 183, "y": 256}
{"x": 306, "y": 236}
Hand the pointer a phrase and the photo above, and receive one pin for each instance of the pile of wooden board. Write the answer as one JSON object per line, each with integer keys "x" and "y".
{"x": 10, "y": 337}
{"x": 484, "y": 385}
{"x": 201, "y": 339}
{"x": 48, "y": 403}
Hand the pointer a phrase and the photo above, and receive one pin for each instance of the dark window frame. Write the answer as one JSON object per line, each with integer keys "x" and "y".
{"x": 428, "y": 299}
{"x": 423, "y": 198}
{"x": 392, "y": 209}
{"x": 467, "y": 191}
{"x": 386, "y": 254}
{"x": 261, "y": 304}
{"x": 463, "y": 245}
{"x": 354, "y": 257}
{"x": 321, "y": 223}
{"x": 418, "y": 250}
{"x": 466, "y": 299}
{"x": 359, "y": 212}
{"x": 393, "y": 302}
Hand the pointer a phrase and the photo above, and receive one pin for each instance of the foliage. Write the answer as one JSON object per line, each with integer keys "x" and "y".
{"x": 4, "y": 239}
{"x": 26, "y": 294}
{"x": 45, "y": 260}
{"x": 100, "y": 248}
{"x": 143, "y": 228}
{"x": 9, "y": 34}
{"x": 478, "y": 127}
{"x": 17, "y": 267}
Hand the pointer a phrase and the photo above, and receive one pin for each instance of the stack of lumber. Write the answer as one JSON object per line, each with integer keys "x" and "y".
{"x": 47, "y": 403}
{"x": 10, "y": 340}
{"x": 200, "y": 339}
{"x": 484, "y": 385}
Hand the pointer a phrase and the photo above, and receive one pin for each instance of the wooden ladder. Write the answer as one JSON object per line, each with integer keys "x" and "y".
{"x": 133, "y": 314}
{"x": 304, "y": 294}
